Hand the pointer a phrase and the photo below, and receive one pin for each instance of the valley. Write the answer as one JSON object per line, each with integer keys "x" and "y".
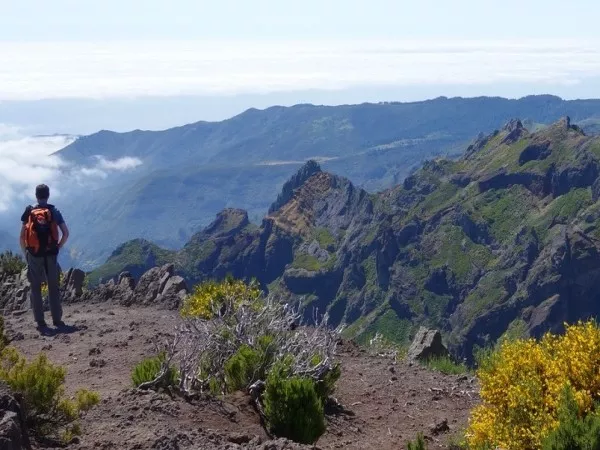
{"x": 502, "y": 241}
{"x": 189, "y": 173}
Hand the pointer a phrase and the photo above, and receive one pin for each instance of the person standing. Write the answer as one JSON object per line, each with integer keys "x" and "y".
{"x": 40, "y": 242}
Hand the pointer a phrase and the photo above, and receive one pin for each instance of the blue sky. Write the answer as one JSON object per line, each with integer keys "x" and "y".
{"x": 120, "y": 48}
{"x": 269, "y": 19}
{"x": 264, "y": 52}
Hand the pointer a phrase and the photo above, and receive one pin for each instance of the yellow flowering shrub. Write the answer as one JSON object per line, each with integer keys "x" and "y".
{"x": 207, "y": 298}
{"x": 521, "y": 385}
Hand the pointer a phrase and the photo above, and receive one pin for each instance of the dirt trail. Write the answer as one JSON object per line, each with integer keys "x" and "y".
{"x": 390, "y": 403}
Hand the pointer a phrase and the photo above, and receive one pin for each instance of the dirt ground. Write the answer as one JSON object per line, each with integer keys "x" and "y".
{"x": 389, "y": 402}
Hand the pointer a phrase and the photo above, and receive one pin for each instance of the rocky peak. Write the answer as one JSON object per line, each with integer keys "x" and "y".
{"x": 324, "y": 200}
{"x": 512, "y": 125}
{"x": 562, "y": 127}
{"x": 228, "y": 221}
{"x": 310, "y": 168}
{"x": 514, "y": 131}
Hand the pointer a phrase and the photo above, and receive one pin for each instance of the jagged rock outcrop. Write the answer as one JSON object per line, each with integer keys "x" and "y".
{"x": 306, "y": 171}
{"x": 426, "y": 344}
{"x": 158, "y": 286}
{"x": 513, "y": 131}
{"x": 14, "y": 292}
{"x": 73, "y": 284}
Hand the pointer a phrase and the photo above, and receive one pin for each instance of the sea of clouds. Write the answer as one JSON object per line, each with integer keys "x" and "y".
{"x": 26, "y": 161}
{"x": 130, "y": 69}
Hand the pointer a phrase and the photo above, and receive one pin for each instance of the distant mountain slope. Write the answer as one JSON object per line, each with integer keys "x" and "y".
{"x": 189, "y": 173}
{"x": 505, "y": 239}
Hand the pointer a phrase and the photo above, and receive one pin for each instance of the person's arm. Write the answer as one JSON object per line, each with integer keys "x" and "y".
{"x": 65, "y": 235}
{"x": 23, "y": 234}
{"x": 22, "y": 242}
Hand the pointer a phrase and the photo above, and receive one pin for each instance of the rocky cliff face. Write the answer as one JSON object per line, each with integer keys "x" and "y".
{"x": 503, "y": 240}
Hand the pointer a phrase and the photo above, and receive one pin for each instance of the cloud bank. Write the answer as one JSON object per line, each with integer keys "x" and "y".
{"x": 128, "y": 69}
{"x": 27, "y": 161}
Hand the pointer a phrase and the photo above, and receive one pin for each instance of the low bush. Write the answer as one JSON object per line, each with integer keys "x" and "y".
{"x": 3, "y": 338}
{"x": 148, "y": 370}
{"x": 522, "y": 385}
{"x": 248, "y": 364}
{"x": 417, "y": 444}
{"x": 293, "y": 408}
{"x": 446, "y": 365}
{"x": 48, "y": 412}
{"x": 232, "y": 338}
{"x": 573, "y": 432}
{"x": 11, "y": 263}
{"x": 207, "y": 298}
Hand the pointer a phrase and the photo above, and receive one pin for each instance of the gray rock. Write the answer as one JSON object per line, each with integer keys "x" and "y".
{"x": 13, "y": 432}
{"x": 514, "y": 129}
{"x": 72, "y": 287}
{"x": 174, "y": 285}
{"x": 426, "y": 344}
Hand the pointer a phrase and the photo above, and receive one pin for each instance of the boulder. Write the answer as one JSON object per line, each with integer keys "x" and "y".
{"x": 426, "y": 344}
{"x": 13, "y": 433}
{"x": 14, "y": 292}
{"x": 72, "y": 287}
{"x": 158, "y": 286}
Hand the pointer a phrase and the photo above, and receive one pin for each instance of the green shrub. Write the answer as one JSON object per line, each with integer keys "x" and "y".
{"x": 3, "y": 338}
{"x": 446, "y": 364}
{"x": 248, "y": 365}
{"x": 11, "y": 263}
{"x": 326, "y": 385}
{"x": 293, "y": 408}
{"x": 573, "y": 432}
{"x": 458, "y": 441}
{"x": 417, "y": 444}
{"x": 149, "y": 368}
{"x": 48, "y": 412}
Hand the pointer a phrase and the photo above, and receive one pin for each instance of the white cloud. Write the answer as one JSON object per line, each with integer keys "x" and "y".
{"x": 120, "y": 164}
{"x": 28, "y": 161}
{"x": 128, "y": 69}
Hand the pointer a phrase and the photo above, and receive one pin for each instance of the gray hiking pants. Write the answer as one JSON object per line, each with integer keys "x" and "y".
{"x": 40, "y": 269}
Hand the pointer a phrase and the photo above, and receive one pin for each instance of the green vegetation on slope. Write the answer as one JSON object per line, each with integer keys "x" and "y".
{"x": 469, "y": 246}
{"x": 135, "y": 257}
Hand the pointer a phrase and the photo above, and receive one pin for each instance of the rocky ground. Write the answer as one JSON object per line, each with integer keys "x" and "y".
{"x": 389, "y": 402}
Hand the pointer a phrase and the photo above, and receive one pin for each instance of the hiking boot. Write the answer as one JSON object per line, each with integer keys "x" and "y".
{"x": 42, "y": 324}
{"x": 59, "y": 323}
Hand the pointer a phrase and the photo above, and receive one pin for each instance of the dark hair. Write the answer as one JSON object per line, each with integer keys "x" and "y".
{"x": 42, "y": 192}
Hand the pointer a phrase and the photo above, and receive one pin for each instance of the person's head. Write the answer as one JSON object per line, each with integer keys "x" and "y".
{"x": 42, "y": 193}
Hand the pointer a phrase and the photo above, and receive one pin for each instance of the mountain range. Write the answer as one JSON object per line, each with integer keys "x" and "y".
{"x": 190, "y": 173}
{"x": 504, "y": 240}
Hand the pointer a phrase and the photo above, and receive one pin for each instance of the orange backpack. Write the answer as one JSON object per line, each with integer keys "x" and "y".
{"x": 41, "y": 235}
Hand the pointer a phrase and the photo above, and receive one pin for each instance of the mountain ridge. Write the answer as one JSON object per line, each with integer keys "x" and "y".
{"x": 189, "y": 173}
{"x": 499, "y": 241}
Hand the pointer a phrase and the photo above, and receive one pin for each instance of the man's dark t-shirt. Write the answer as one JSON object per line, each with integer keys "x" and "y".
{"x": 56, "y": 214}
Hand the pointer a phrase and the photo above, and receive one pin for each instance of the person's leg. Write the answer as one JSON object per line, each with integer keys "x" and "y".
{"x": 36, "y": 275}
{"x": 53, "y": 288}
